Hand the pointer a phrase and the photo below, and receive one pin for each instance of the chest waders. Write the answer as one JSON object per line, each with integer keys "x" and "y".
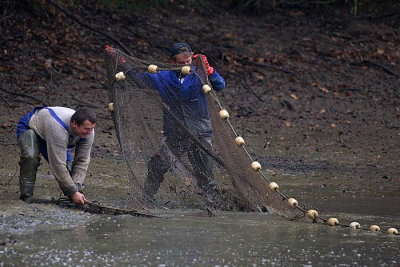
{"x": 161, "y": 163}
{"x": 190, "y": 107}
{"x": 31, "y": 145}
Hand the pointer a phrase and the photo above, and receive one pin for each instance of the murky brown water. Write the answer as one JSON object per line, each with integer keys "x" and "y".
{"x": 45, "y": 234}
{"x": 229, "y": 239}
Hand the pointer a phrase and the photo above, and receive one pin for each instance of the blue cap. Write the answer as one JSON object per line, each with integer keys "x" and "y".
{"x": 178, "y": 48}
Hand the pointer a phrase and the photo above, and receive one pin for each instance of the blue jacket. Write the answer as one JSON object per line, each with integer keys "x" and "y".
{"x": 186, "y": 101}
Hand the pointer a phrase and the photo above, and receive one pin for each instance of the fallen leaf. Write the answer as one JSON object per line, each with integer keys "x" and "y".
{"x": 323, "y": 89}
{"x": 287, "y": 124}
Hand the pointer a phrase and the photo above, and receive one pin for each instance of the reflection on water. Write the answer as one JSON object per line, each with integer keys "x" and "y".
{"x": 229, "y": 239}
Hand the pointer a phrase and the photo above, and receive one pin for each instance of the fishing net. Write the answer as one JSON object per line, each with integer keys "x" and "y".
{"x": 169, "y": 161}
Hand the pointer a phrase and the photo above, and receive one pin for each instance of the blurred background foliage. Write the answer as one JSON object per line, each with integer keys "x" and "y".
{"x": 249, "y": 7}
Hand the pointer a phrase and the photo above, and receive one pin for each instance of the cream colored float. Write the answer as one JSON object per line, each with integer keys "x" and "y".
{"x": 120, "y": 76}
{"x": 333, "y": 222}
{"x": 392, "y": 231}
{"x": 223, "y": 114}
{"x": 293, "y": 202}
{"x": 186, "y": 70}
{"x": 354, "y": 225}
{"x": 239, "y": 141}
{"x": 110, "y": 107}
{"x": 374, "y": 228}
{"x": 273, "y": 186}
{"x": 152, "y": 69}
{"x": 312, "y": 214}
{"x": 256, "y": 166}
{"x": 206, "y": 89}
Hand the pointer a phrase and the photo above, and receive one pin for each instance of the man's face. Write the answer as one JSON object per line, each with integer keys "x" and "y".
{"x": 183, "y": 58}
{"x": 84, "y": 129}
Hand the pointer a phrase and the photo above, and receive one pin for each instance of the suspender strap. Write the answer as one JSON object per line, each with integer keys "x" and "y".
{"x": 57, "y": 118}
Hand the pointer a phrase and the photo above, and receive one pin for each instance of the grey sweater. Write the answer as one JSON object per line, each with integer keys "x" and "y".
{"x": 58, "y": 139}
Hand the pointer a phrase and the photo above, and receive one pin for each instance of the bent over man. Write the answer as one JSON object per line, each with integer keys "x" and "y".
{"x": 51, "y": 132}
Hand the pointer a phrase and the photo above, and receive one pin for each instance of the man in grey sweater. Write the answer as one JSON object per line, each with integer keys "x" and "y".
{"x": 51, "y": 132}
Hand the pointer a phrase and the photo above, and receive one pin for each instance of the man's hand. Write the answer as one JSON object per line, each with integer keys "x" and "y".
{"x": 210, "y": 70}
{"x": 111, "y": 51}
{"x": 108, "y": 49}
{"x": 78, "y": 198}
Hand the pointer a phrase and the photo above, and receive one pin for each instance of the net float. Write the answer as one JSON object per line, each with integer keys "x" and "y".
{"x": 374, "y": 228}
{"x": 256, "y": 166}
{"x": 354, "y": 225}
{"x": 333, "y": 222}
{"x": 239, "y": 141}
{"x": 120, "y": 76}
{"x": 312, "y": 214}
{"x": 273, "y": 186}
{"x": 152, "y": 69}
{"x": 393, "y": 231}
{"x": 293, "y": 202}
{"x": 206, "y": 88}
{"x": 185, "y": 70}
{"x": 223, "y": 114}
{"x": 111, "y": 107}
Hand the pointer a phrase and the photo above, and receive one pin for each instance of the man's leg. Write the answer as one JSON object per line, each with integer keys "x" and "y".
{"x": 203, "y": 166}
{"x": 156, "y": 168}
{"x": 28, "y": 143}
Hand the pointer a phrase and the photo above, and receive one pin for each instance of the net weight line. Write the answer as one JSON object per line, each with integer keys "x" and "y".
{"x": 330, "y": 221}
{"x": 215, "y": 98}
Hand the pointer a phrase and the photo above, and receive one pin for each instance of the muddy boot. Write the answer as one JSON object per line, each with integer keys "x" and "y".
{"x": 28, "y": 143}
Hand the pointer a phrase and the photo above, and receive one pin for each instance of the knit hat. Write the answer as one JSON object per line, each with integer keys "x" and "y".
{"x": 178, "y": 48}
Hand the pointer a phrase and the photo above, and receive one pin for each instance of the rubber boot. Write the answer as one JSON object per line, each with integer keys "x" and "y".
{"x": 28, "y": 143}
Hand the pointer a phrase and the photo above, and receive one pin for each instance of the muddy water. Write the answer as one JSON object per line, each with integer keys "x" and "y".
{"x": 181, "y": 239}
{"x": 45, "y": 234}
{"x": 348, "y": 187}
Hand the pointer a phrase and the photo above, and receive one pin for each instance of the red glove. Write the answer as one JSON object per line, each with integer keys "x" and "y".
{"x": 210, "y": 70}
{"x": 111, "y": 52}
{"x": 108, "y": 49}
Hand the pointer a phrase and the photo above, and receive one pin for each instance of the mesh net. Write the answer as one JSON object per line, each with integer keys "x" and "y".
{"x": 165, "y": 137}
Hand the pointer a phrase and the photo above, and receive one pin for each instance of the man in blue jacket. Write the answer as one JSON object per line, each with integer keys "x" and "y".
{"x": 187, "y": 103}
